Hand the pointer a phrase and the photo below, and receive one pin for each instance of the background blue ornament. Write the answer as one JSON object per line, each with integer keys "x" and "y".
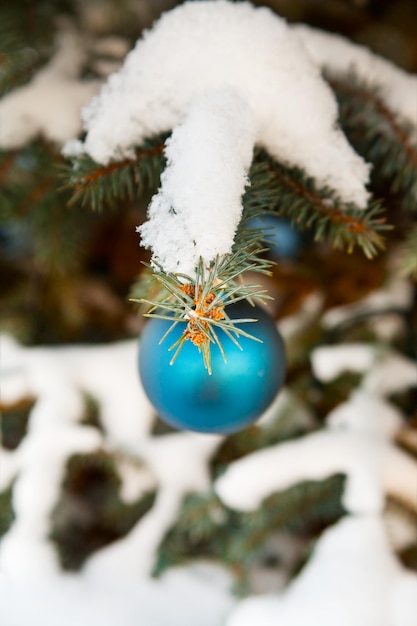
{"x": 283, "y": 240}
{"x": 234, "y": 395}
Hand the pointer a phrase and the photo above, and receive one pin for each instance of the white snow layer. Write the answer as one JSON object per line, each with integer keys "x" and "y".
{"x": 356, "y": 442}
{"x": 352, "y": 579}
{"x": 385, "y": 371}
{"x": 211, "y": 150}
{"x": 176, "y": 464}
{"x": 174, "y": 600}
{"x": 50, "y": 104}
{"x": 114, "y": 584}
{"x": 340, "y": 56}
{"x": 179, "y": 463}
{"x": 211, "y": 45}
{"x": 373, "y": 467}
{"x": 196, "y": 49}
{"x": 58, "y": 376}
{"x": 396, "y": 294}
{"x": 366, "y": 413}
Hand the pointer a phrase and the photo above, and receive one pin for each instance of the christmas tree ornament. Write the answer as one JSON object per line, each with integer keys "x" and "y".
{"x": 283, "y": 240}
{"x": 239, "y": 389}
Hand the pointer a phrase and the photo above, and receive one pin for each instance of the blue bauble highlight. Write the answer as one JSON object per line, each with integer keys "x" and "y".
{"x": 187, "y": 397}
{"x": 283, "y": 241}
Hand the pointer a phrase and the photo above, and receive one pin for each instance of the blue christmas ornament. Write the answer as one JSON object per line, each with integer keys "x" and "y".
{"x": 187, "y": 397}
{"x": 283, "y": 241}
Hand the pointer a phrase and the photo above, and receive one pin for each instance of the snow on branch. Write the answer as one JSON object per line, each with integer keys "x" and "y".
{"x": 55, "y": 378}
{"x": 199, "y": 48}
{"x": 385, "y": 372}
{"x": 354, "y": 563}
{"x": 396, "y": 294}
{"x": 208, "y": 157}
{"x": 339, "y": 56}
{"x": 373, "y": 467}
{"x": 356, "y": 442}
{"x": 50, "y": 104}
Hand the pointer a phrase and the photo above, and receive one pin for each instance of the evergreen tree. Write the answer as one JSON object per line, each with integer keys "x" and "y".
{"x": 259, "y": 162}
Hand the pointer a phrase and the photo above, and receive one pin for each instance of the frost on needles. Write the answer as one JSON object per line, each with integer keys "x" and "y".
{"x": 181, "y": 75}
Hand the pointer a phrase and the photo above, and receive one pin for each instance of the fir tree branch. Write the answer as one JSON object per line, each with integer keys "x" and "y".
{"x": 208, "y": 528}
{"x": 26, "y": 39}
{"x": 36, "y": 194}
{"x": 17, "y": 60}
{"x": 354, "y": 91}
{"x": 7, "y": 160}
{"x": 305, "y": 505}
{"x": 196, "y": 531}
{"x": 112, "y": 517}
{"x": 27, "y": 176}
{"x": 199, "y": 303}
{"x": 221, "y": 284}
{"x": 290, "y": 193}
{"x": 273, "y": 187}
{"x": 95, "y": 185}
{"x": 30, "y": 196}
{"x": 58, "y": 240}
{"x": 379, "y": 135}
{"x": 410, "y": 258}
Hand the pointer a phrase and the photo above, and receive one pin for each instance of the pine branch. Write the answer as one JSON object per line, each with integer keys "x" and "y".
{"x": 380, "y": 136}
{"x": 58, "y": 239}
{"x": 30, "y": 197}
{"x": 410, "y": 257}
{"x": 99, "y": 515}
{"x": 17, "y": 60}
{"x": 288, "y": 192}
{"x": 300, "y": 508}
{"x": 26, "y": 38}
{"x": 287, "y": 423}
{"x": 96, "y": 186}
{"x": 7, "y": 514}
{"x": 273, "y": 187}
{"x": 200, "y": 529}
{"x": 25, "y": 177}
{"x": 7, "y": 160}
{"x": 199, "y": 303}
{"x": 7, "y": 191}
{"x": 207, "y": 528}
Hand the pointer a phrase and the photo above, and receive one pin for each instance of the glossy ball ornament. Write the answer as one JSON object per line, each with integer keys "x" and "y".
{"x": 283, "y": 240}
{"x": 187, "y": 397}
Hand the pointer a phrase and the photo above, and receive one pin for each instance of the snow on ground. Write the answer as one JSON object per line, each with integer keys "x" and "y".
{"x": 357, "y": 440}
{"x": 352, "y": 579}
{"x": 177, "y": 599}
{"x": 115, "y": 579}
{"x": 115, "y": 583}
{"x": 353, "y": 576}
